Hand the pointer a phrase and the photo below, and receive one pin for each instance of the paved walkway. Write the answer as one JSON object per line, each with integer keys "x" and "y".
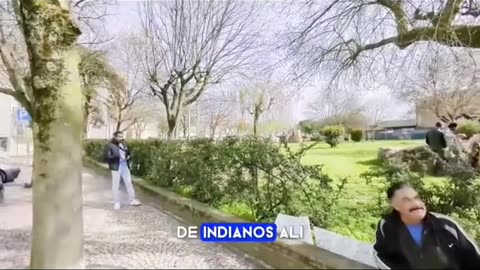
{"x": 133, "y": 237}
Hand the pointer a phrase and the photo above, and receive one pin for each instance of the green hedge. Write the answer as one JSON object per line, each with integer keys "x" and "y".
{"x": 251, "y": 178}
{"x": 469, "y": 128}
{"x": 356, "y": 135}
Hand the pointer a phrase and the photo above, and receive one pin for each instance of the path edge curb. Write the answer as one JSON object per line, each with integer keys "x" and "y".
{"x": 278, "y": 255}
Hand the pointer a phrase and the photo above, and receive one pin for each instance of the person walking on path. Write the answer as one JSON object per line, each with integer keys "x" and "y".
{"x": 436, "y": 140}
{"x": 118, "y": 157}
{"x": 411, "y": 237}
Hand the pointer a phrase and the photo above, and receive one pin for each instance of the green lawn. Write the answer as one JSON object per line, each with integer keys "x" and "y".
{"x": 350, "y": 160}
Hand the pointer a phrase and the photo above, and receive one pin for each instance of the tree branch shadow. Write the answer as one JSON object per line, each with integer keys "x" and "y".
{"x": 371, "y": 162}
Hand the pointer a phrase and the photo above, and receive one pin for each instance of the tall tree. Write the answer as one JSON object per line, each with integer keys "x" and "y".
{"x": 95, "y": 73}
{"x": 121, "y": 101}
{"x": 146, "y": 113}
{"x": 376, "y": 109}
{"x": 186, "y": 120}
{"x": 13, "y": 51}
{"x": 56, "y": 108}
{"x": 448, "y": 87}
{"x": 193, "y": 44}
{"x": 335, "y": 33}
{"x": 257, "y": 99}
{"x": 125, "y": 87}
{"x": 14, "y": 54}
{"x": 216, "y": 111}
{"x": 334, "y": 104}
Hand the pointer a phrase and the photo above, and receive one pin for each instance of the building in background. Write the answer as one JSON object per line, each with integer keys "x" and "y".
{"x": 396, "y": 130}
{"x": 7, "y": 103}
{"x": 15, "y": 133}
{"x": 464, "y": 106}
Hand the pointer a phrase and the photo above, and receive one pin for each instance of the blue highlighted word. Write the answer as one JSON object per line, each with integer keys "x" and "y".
{"x": 238, "y": 232}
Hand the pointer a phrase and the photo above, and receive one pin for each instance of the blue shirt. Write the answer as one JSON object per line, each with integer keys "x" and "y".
{"x": 416, "y": 231}
{"x": 123, "y": 154}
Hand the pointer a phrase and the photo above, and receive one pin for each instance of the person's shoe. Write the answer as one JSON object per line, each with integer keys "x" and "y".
{"x": 116, "y": 206}
{"x": 135, "y": 202}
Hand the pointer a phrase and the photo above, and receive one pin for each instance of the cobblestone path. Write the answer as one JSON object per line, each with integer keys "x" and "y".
{"x": 132, "y": 237}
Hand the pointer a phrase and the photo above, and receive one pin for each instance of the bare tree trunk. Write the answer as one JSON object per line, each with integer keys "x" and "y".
{"x": 185, "y": 131}
{"x": 171, "y": 129}
{"x": 119, "y": 122}
{"x": 256, "y": 116}
{"x": 138, "y": 133}
{"x": 86, "y": 116}
{"x": 87, "y": 108}
{"x": 213, "y": 131}
{"x": 57, "y": 233}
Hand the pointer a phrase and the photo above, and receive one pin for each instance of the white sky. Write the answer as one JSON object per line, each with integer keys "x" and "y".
{"x": 124, "y": 19}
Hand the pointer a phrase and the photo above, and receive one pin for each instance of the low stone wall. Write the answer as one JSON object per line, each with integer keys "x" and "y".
{"x": 278, "y": 255}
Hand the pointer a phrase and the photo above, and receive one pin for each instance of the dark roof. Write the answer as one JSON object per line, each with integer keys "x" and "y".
{"x": 397, "y": 124}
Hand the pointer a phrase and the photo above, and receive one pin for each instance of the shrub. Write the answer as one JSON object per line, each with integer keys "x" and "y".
{"x": 95, "y": 149}
{"x": 356, "y": 135}
{"x": 469, "y": 128}
{"x": 252, "y": 173}
{"x": 317, "y": 137}
{"x": 457, "y": 196}
{"x": 333, "y": 134}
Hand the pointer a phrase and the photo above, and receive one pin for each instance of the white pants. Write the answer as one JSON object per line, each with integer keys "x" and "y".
{"x": 123, "y": 173}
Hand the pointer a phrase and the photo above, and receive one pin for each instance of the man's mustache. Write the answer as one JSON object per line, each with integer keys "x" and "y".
{"x": 416, "y": 208}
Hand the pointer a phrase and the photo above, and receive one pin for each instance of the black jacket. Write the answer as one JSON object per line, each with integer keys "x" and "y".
{"x": 436, "y": 140}
{"x": 112, "y": 155}
{"x": 445, "y": 245}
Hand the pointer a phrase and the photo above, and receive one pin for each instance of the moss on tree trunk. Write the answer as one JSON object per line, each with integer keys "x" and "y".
{"x": 57, "y": 233}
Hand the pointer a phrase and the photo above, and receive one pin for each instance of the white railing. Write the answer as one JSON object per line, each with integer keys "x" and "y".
{"x": 333, "y": 242}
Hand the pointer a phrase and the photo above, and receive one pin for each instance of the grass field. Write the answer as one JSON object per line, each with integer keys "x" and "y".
{"x": 353, "y": 216}
{"x": 350, "y": 160}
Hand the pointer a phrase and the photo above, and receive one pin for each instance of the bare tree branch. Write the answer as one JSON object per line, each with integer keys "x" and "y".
{"x": 7, "y": 91}
{"x": 215, "y": 111}
{"x": 330, "y": 104}
{"x": 258, "y": 97}
{"x": 336, "y": 33}
{"x": 448, "y": 88}
{"x": 125, "y": 85}
{"x": 91, "y": 17}
{"x": 191, "y": 45}
{"x": 13, "y": 53}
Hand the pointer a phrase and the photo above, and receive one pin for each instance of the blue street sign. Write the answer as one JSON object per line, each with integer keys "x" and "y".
{"x": 23, "y": 116}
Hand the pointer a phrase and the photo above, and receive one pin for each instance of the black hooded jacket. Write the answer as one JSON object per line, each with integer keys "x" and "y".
{"x": 444, "y": 245}
{"x": 112, "y": 155}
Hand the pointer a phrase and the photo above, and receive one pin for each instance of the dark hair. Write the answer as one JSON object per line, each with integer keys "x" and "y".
{"x": 438, "y": 125}
{"x": 452, "y": 125}
{"x": 394, "y": 187}
{"x": 116, "y": 133}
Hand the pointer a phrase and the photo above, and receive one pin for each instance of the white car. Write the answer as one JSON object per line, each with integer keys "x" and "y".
{"x": 8, "y": 173}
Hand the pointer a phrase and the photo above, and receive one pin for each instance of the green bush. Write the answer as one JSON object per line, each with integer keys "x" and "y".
{"x": 356, "y": 135}
{"x": 333, "y": 134}
{"x": 457, "y": 196}
{"x": 255, "y": 174}
{"x": 469, "y": 128}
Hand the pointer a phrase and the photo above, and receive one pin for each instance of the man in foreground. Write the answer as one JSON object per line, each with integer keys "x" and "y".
{"x": 410, "y": 237}
{"x": 436, "y": 140}
{"x": 118, "y": 158}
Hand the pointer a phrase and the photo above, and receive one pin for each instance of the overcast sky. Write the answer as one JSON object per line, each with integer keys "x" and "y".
{"x": 124, "y": 19}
